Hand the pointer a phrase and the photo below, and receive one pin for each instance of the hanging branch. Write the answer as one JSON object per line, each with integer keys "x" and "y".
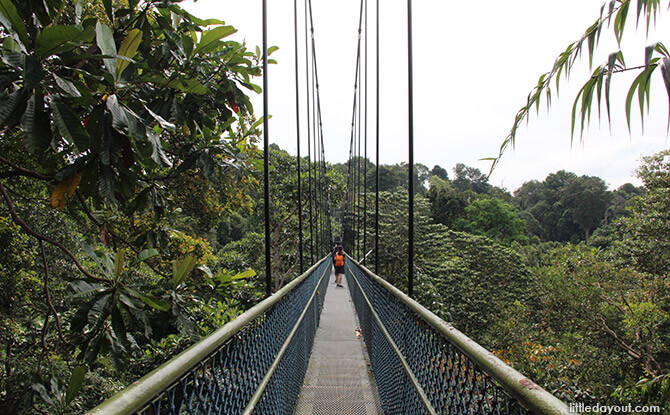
{"x": 615, "y": 14}
{"x": 41, "y": 237}
{"x": 47, "y": 295}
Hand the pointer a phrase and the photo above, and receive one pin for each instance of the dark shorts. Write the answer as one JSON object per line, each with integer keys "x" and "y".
{"x": 339, "y": 270}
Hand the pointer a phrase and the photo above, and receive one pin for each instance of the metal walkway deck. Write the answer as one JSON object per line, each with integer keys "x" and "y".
{"x": 338, "y": 378}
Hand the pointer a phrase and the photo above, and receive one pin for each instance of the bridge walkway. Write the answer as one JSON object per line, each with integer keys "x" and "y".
{"x": 338, "y": 378}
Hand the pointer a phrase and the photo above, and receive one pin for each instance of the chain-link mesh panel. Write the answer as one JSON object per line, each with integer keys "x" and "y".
{"x": 452, "y": 382}
{"x": 225, "y": 381}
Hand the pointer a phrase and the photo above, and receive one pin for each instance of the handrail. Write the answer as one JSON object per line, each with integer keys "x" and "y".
{"x": 530, "y": 395}
{"x": 413, "y": 380}
{"x": 264, "y": 383}
{"x": 143, "y": 391}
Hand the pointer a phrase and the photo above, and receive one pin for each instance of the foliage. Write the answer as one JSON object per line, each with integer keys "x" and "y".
{"x": 495, "y": 219}
{"x": 614, "y": 14}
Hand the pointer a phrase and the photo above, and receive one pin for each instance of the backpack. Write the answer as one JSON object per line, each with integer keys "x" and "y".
{"x": 339, "y": 259}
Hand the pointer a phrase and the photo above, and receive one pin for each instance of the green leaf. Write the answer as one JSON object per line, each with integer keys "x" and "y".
{"x": 119, "y": 116}
{"x": 10, "y": 18}
{"x": 629, "y": 97}
{"x": 9, "y": 104}
{"x": 69, "y": 125}
{"x": 76, "y": 382}
{"x": 185, "y": 85}
{"x": 161, "y": 121}
{"x": 128, "y": 49}
{"x": 181, "y": 269}
{"x": 244, "y": 274}
{"x": 86, "y": 290}
{"x": 158, "y": 154}
{"x": 665, "y": 71}
{"x": 57, "y": 39}
{"x": 209, "y": 39}
{"x": 119, "y": 261}
{"x": 33, "y": 72}
{"x": 105, "y": 41}
{"x": 67, "y": 87}
{"x": 151, "y": 301}
{"x": 36, "y": 126}
{"x": 109, "y": 10}
{"x": 144, "y": 255}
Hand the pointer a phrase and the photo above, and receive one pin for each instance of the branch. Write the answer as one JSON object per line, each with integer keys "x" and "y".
{"x": 634, "y": 354}
{"x": 114, "y": 235}
{"x": 20, "y": 171}
{"x": 41, "y": 237}
{"x": 48, "y": 297}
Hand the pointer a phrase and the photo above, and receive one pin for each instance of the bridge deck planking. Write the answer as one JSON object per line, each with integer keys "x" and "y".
{"x": 338, "y": 378}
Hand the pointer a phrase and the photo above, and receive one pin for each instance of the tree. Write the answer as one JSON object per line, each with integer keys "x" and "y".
{"x": 446, "y": 203}
{"x": 494, "y": 219}
{"x": 613, "y": 14}
{"x": 439, "y": 172}
{"x": 470, "y": 178}
{"x": 126, "y": 131}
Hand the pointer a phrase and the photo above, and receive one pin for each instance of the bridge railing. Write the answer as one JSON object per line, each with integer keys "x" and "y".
{"x": 424, "y": 365}
{"x": 255, "y": 363}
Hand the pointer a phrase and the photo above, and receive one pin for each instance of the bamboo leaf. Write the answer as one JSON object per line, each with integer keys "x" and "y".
{"x": 648, "y": 53}
{"x": 128, "y": 49}
{"x": 105, "y": 41}
{"x": 665, "y": 71}
{"x": 629, "y": 97}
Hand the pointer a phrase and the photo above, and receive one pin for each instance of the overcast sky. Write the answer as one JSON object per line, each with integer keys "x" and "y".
{"x": 474, "y": 65}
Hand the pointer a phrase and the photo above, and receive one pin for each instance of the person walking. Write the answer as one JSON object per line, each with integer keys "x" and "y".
{"x": 338, "y": 262}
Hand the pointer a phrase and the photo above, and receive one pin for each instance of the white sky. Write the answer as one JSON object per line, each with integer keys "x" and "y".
{"x": 474, "y": 65}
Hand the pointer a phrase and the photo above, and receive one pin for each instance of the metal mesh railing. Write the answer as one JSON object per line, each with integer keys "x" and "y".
{"x": 255, "y": 363}
{"x": 423, "y": 365}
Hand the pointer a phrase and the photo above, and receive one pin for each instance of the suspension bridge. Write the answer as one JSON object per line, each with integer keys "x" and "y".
{"x": 316, "y": 348}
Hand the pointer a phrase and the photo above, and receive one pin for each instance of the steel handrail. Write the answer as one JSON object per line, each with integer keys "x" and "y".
{"x": 408, "y": 370}
{"x": 266, "y": 380}
{"x": 528, "y": 393}
{"x": 143, "y": 391}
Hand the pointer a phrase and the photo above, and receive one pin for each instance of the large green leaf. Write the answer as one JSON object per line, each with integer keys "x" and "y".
{"x": 209, "y": 39}
{"x": 76, "y": 382}
{"x": 32, "y": 73}
{"x": 158, "y": 154}
{"x": 12, "y": 107}
{"x": 105, "y": 40}
{"x": 119, "y": 262}
{"x": 69, "y": 125}
{"x": 119, "y": 116}
{"x": 36, "y": 126}
{"x": 181, "y": 269}
{"x": 68, "y": 88}
{"x": 10, "y": 18}
{"x": 144, "y": 255}
{"x": 57, "y": 39}
{"x": 128, "y": 49}
{"x": 150, "y": 300}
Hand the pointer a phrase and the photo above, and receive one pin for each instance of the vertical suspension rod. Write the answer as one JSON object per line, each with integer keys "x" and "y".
{"x": 365, "y": 145}
{"x": 377, "y": 148}
{"x": 266, "y": 156}
{"x": 309, "y": 139}
{"x": 297, "y": 124}
{"x": 410, "y": 116}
